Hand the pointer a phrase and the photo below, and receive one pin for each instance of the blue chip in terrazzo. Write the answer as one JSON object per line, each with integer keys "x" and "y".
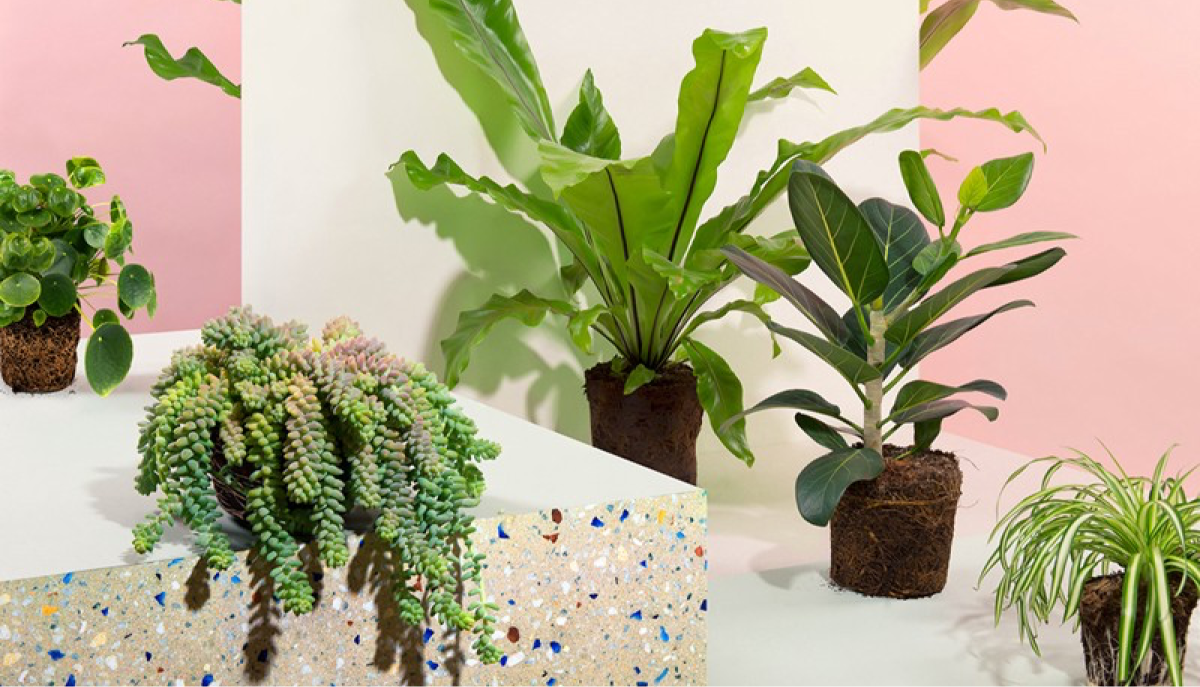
{"x": 500, "y": 532}
{"x": 555, "y": 647}
{"x": 206, "y": 680}
{"x": 537, "y": 643}
{"x": 636, "y": 615}
{"x": 68, "y": 577}
{"x": 660, "y": 677}
{"x": 235, "y": 579}
{"x": 174, "y": 562}
{"x": 551, "y": 682}
{"x": 149, "y": 656}
{"x": 680, "y": 535}
{"x": 55, "y": 654}
{"x": 624, "y": 515}
{"x": 358, "y": 639}
{"x": 104, "y": 611}
{"x": 432, "y": 665}
{"x": 503, "y": 660}
{"x": 425, "y": 637}
{"x": 597, "y": 522}
{"x": 704, "y": 605}
{"x": 662, "y": 634}
{"x": 71, "y": 680}
{"x": 161, "y": 598}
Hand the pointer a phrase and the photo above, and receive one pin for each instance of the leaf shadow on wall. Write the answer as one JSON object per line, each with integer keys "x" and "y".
{"x": 501, "y": 252}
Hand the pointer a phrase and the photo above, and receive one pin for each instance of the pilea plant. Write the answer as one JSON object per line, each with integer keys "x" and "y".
{"x": 291, "y": 434}
{"x": 57, "y": 253}
{"x": 1118, "y": 552}
{"x": 882, "y": 257}
{"x": 634, "y": 227}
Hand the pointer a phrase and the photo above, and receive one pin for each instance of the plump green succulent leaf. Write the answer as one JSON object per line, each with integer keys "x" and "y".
{"x": 902, "y": 237}
{"x": 720, "y": 394}
{"x": 941, "y": 409}
{"x": 942, "y": 335}
{"x": 820, "y": 313}
{"x": 637, "y": 378}
{"x": 782, "y": 87}
{"x": 84, "y": 172}
{"x": 108, "y": 358}
{"x": 1020, "y": 240}
{"x": 912, "y": 323}
{"x": 942, "y": 24}
{"x": 794, "y": 399}
{"x": 135, "y": 286}
{"x": 837, "y": 235}
{"x": 821, "y": 484}
{"x": 997, "y": 184}
{"x": 922, "y": 391}
{"x": 854, "y": 369}
{"x": 590, "y": 129}
{"x": 194, "y": 64}
{"x": 489, "y": 34}
{"x": 20, "y": 290}
{"x": 58, "y": 296}
{"x": 921, "y": 189}
{"x": 475, "y": 325}
{"x": 820, "y": 432}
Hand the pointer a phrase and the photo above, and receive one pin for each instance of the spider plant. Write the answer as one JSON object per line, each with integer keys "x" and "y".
{"x": 634, "y": 227}
{"x": 1056, "y": 539}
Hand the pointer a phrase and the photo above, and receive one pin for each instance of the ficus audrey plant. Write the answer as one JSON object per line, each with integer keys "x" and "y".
{"x": 1119, "y": 553}
{"x": 193, "y": 64}
{"x": 945, "y": 20}
{"x": 635, "y": 227}
{"x": 57, "y": 251}
{"x": 891, "y": 269}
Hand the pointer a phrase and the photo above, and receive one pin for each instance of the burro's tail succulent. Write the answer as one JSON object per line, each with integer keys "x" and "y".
{"x": 310, "y": 429}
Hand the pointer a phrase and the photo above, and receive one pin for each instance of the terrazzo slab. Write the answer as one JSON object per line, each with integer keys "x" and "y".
{"x": 605, "y": 594}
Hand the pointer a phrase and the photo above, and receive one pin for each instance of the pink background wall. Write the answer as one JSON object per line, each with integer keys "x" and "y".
{"x": 1110, "y": 352}
{"x": 171, "y": 150}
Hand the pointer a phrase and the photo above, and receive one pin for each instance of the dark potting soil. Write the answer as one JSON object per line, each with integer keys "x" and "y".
{"x": 655, "y": 426}
{"x": 1100, "y": 618}
{"x": 39, "y": 360}
{"x": 891, "y": 536}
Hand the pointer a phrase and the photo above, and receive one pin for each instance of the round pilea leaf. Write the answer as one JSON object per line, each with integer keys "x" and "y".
{"x": 108, "y": 358}
{"x": 39, "y": 317}
{"x": 26, "y": 198}
{"x": 104, "y": 316}
{"x": 47, "y": 181}
{"x": 62, "y": 201}
{"x": 65, "y": 258}
{"x": 95, "y": 233}
{"x": 9, "y": 314}
{"x": 35, "y": 218}
{"x": 135, "y": 286}
{"x": 58, "y": 294}
{"x": 84, "y": 172}
{"x": 20, "y": 290}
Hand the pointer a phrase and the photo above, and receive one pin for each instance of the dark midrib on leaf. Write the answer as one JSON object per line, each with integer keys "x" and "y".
{"x": 637, "y": 324}
{"x": 687, "y": 200}
{"x": 549, "y": 135}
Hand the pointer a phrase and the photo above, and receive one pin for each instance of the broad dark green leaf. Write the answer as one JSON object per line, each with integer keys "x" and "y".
{"x": 823, "y": 434}
{"x": 58, "y": 294}
{"x": 84, "y": 172}
{"x": 943, "y": 335}
{"x": 721, "y": 396}
{"x": 590, "y": 130}
{"x": 820, "y": 485}
{"x": 925, "y": 433}
{"x": 837, "y": 235}
{"x": 902, "y": 237}
{"x": 20, "y": 290}
{"x": 921, "y": 189}
{"x": 782, "y": 87}
{"x": 192, "y": 65}
{"x": 475, "y": 325}
{"x": 1030, "y": 266}
{"x": 853, "y": 368}
{"x": 1020, "y": 240}
{"x": 921, "y": 391}
{"x": 943, "y": 24}
{"x": 937, "y": 410}
{"x": 771, "y": 182}
{"x": 108, "y": 358}
{"x": 135, "y": 286}
{"x": 489, "y": 34}
{"x": 712, "y": 101}
{"x": 65, "y": 259}
{"x": 824, "y": 317}
{"x": 794, "y": 399}
{"x": 637, "y": 378}
{"x": 997, "y": 184}
{"x": 904, "y": 329}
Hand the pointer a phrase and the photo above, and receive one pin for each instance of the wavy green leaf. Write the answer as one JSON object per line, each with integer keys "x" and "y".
{"x": 821, "y": 484}
{"x": 906, "y": 327}
{"x": 853, "y": 368}
{"x": 941, "y": 409}
{"x": 637, "y": 378}
{"x": 192, "y": 65}
{"x": 489, "y": 34}
{"x": 782, "y": 87}
{"x": 475, "y": 325}
{"x": 590, "y": 129}
{"x": 823, "y": 434}
{"x": 721, "y": 396}
{"x": 1020, "y": 240}
{"x": 794, "y": 399}
{"x": 943, "y": 335}
{"x": 1042, "y": 6}
{"x": 918, "y": 392}
{"x": 942, "y": 25}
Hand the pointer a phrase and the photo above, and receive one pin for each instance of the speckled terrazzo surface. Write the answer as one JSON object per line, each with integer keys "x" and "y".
{"x": 615, "y": 593}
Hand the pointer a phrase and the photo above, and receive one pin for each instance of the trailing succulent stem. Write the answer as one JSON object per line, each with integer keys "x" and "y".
{"x": 320, "y": 427}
